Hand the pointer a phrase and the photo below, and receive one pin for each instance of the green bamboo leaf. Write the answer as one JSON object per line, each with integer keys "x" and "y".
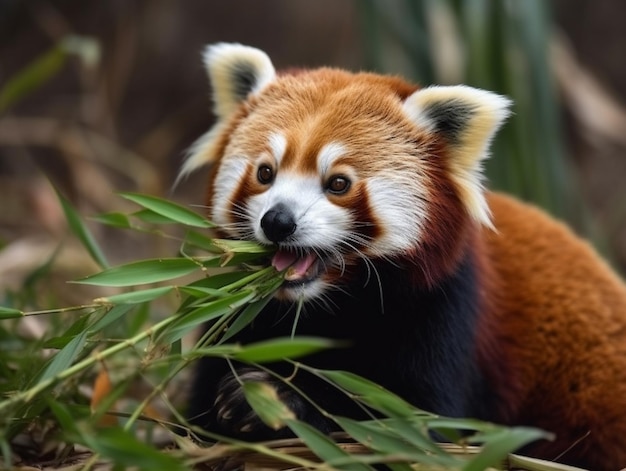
{"x": 219, "y": 280}
{"x": 222, "y": 351}
{"x": 371, "y": 394}
{"x": 196, "y": 239}
{"x": 111, "y": 316}
{"x": 264, "y": 400}
{"x": 64, "y": 357}
{"x": 324, "y": 447}
{"x": 245, "y": 317}
{"x": 201, "y": 292}
{"x": 352, "y": 382}
{"x": 114, "y": 219}
{"x": 136, "y": 297}
{"x": 373, "y": 436}
{"x": 388, "y": 403}
{"x": 234, "y": 259}
{"x": 497, "y": 446}
{"x": 189, "y": 321}
{"x": 169, "y": 210}
{"x": 59, "y": 342}
{"x": 414, "y": 430}
{"x": 242, "y": 246}
{"x": 63, "y": 416}
{"x": 80, "y": 230}
{"x": 124, "y": 449}
{"x": 387, "y": 441}
{"x": 533, "y": 464}
{"x": 75, "y": 329}
{"x": 32, "y": 77}
{"x": 142, "y": 272}
{"x": 151, "y": 217}
{"x": 281, "y": 348}
{"x": 493, "y": 432}
{"x": 234, "y": 252}
{"x": 214, "y": 282}
{"x": 444, "y": 423}
{"x": 10, "y": 313}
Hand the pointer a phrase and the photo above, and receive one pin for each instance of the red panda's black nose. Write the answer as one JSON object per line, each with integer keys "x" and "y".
{"x": 278, "y": 223}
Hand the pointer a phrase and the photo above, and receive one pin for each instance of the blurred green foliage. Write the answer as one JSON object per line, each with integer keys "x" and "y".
{"x": 497, "y": 45}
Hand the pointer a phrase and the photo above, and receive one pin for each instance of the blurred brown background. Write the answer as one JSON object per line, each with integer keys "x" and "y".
{"x": 121, "y": 118}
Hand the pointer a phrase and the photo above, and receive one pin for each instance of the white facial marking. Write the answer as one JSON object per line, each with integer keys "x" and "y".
{"x": 278, "y": 145}
{"x": 232, "y": 169}
{"x": 402, "y": 215}
{"x": 328, "y": 155}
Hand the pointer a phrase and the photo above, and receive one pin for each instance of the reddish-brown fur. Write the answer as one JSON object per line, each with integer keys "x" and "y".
{"x": 559, "y": 316}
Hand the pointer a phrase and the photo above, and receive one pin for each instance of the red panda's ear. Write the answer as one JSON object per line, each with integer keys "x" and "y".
{"x": 235, "y": 71}
{"x": 467, "y": 119}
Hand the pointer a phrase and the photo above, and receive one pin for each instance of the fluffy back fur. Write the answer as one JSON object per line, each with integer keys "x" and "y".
{"x": 465, "y": 302}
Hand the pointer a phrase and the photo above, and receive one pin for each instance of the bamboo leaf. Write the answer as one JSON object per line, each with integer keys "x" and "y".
{"x": 111, "y": 316}
{"x": 264, "y": 400}
{"x": 169, "y": 210}
{"x": 219, "y": 280}
{"x": 118, "y": 220}
{"x": 64, "y": 357}
{"x": 196, "y": 239}
{"x": 414, "y": 430}
{"x": 126, "y": 450}
{"x": 324, "y": 447}
{"x": 214, "y": 283}
{"x": 10, "y": 313}
{"x": 189, "y": 321}
{"x": 136, "y": 297}
{"x": 497, "y": 446}
{"x": 245, "y": 317}
{"x": 371, "y": 394}
{"x": 32, "y": 77}
{"x": 375, "y": 437}
{"x": 75, "y": 329}
{"x": 142, "y": 272}
{"x": 62, "y": 414}
{"x": 387, "y": 440}
{"x": 242, "y": 246}
{"x": 201, "y": 292}
{"x": 533, "y": 464}
{"x": 281, "y": 348}
{"x": 80, "y": 230}
{"x": 151, "y": 217}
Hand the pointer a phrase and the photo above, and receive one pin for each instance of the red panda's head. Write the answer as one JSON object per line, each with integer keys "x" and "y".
{"x": 339, "y": 169}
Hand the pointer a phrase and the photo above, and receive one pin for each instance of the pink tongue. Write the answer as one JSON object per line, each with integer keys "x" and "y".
{"x": 283, "y": 259}
{"x": 298, "y": 265}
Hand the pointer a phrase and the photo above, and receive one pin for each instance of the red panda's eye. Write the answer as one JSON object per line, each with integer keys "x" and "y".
{"x": 338, "y": 185}
{"x": 265, "y": 174}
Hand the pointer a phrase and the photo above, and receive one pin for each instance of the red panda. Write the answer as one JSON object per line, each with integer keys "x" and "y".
{"x": 464, "y": 302}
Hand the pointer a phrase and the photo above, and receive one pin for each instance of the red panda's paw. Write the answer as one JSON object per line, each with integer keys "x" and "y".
{"x": 233, "y": 416}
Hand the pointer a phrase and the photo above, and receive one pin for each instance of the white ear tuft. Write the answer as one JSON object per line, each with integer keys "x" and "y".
{"x": 236, "y": 71}
{"x": 467, "y": 119}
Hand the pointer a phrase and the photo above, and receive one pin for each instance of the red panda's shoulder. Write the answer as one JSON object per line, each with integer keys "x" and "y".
{"x": 535, "y": 246}
{"x": 561, "y": 317}
{"x": 550, "y": 274}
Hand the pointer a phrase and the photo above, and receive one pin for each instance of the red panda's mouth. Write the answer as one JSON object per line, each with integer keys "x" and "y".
{"x": 301, "y": 268}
